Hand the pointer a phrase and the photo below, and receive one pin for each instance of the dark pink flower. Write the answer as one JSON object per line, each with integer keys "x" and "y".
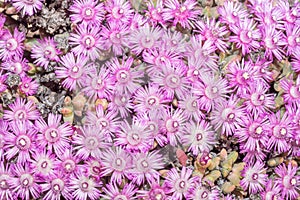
{"x": 43, "y": 164}
{"x": 28, "y": 86}
{"x": 12, "y": 45}
{"x": 119, "y": 11}
{"x": 292, "y": 38}
{"x": 28, "y": 7}
{"x": 154, "y": 12}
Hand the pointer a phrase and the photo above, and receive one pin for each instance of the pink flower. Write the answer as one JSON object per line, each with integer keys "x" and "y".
{"x": 292, "y": 38}
{"x": 87, "y": 11}
{"x": 191, "y": 107}
{"x": 28, "y": 86}
{"x": 183, "y": 13}
{"x": 28, "y": 7}
{"x": 12, "y": 45}
{"x": 21, "y": 142}
{"x": 117, "y": 163}
{"x": 56, "y": 187}
{"x": 199, "y": 137}
{"x": 232, "y": 12}
{"x": 112, "y": 191}
{"x": 121, "y": 103}
{"x": 145, "y": 167}
{"x": 156, "y": 191}
{"x": 203, "y": 193}
{"x": 25, "y": 183}
{"x": 53, "y": 134}
{"x": 180, "y": 185}
{"x": 119, "y": 11}
{"x": 173, "y": 41}
{"x": 90, "y": 142}
{"x": 6, "y": 177}
{"x": 271, "y": 191}
{"x": 291, "y": 89}
{"x": 3, "y": 78}
{"x": 73, "y": 70}
{"x": 154, "y": 13}
{"x": 67, "y": 163}
{"x": 45, "y": 51}
{"x": 3, "y": 133}
{"x": 270, "y": 16}
{"x": 146, "y": 37}
{"x": 16, "y": 65}
{"x": 296, "y": 60}
{"x": 86, "y": 41}
{"x": 43, "y": 164}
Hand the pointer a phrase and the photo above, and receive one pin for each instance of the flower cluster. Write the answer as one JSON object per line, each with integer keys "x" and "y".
{"x": 172, "y": 76}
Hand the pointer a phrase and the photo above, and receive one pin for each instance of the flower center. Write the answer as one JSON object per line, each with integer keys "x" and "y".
{"x": 245, "y": 36}
{"x": 123, "y": 76}
{"x": 293, "y": 181}
{"x": 89, "y": 13}
{"x": 283, "y": 131}
{"x": 172, "y": 125}
{"x": 11, "y": 44}
{"x": 173, "y": 81}
{"x": 91, "y": 143}
{"x": 255, "y": 176}
{"x": 117, "y": 12}
{"x": 118, "y": 162}
{"x": 89, "y": 41}
{"x": 69, "y": 165}
{"x": 147, "y": 42}
{"x": 204, "y": 194}
{"x": 3, "y": 184}
{"x": 294, "y": 91}
{"x": 49, "y": 52}
{"x": 23, "y": 142}
{"x": 133, "y": 138}
{"x": 199, "y": 136}
{"x": 84, "y": 186}
{"x": 75, "y": 69}
{"x": 52, "y": 135}
{"x": 259, "y": 130}
{"x": 44, "y": 164}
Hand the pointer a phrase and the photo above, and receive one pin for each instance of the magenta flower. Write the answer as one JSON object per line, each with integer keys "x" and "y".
{"x": 270, "y": 16}
{"x": 296, "y": 60}
{"x": 84, "y": 187}
{"x": 87, "y": 11}
{"x": 211, "y": 30}
{"x": 44, "y": 52}
{"x": 183, "y": 13}
{"x": 291, "y": 93}
{"x": 203, "y": 193}
{"x": 253, "y": 133}
{"x": 28, "y": 7}
{"x": 114, "y": 36}
{"x": 20, "y": 142}
{"x": 227, "y": 116}
{"x": 173, "y": 127}
{"x": 126, "y": 78}
{"x": 112, "y": 191}
{"x": 211, "y": 89}
{"x": 288, "y": 181}
{"x": 253, "y": 156}
{"x": 43, "y": 164}
{"x": 121, "y": 103}
{"x": 292, "y": 38}
{"x": 180, "y": 185}
{"x": 254, "y": 179}
{"x": 56, "y": 187}
{"x": 294, "y": 112}
{"x": 3, "y": 133}
{"x": 154, "y": 13}
{"x": 119, "y": 11}
{"x": 289, "y": 12}
{"x": 5, "y": 179}
{"x": 54, "y": 135}
{"x": 191, "y": 108}
{"x": 271, "y": 191}
{"x": 21, "y": 111}
{"x": 146, "y": 37}
{"x": 16, "y": 65}
{"x": 199, "y": 137}
{"x": 156, "y": 191}
{"x": 86, "y": 41}
{"x": 173, "y": 81}
{"x": 134, "y": 137}
{"x": 262, "y": 71}
{"x": 67, "y": 163}
{"x": 273, "y": 41}
{"x": 3, "y": 78}
{"x": 28, "y": 86}
{"x": 25, "y": 184}
{"x": 145, "y": 167}
{"x": 116, "y": 162}
{"x": 73, "y": 70}
{"x": 98, "y": 85}
{"x": 11, "y": 45}
{"x": 174, "y": 41}
{"x": 150, "y": 99}
{"x": 90, "y": 142}
{"x": 241, "y": 76}
{"x": 137, "y": 22}
{"x": 232, "y": 12}
{"x": 281, "y": 129}
{"x": 246, "y": 35}
{"x": 92, "y": 168}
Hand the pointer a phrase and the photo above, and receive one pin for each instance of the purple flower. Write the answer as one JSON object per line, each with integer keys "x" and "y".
{"x": 289, "y": 12}
{"x": 146, "y": 37}
{"x": 119, "y": 11}
{"x": 5, "y": 179}
{"x": 227, "y": 116}
{"x": 114, "y": 36}
{"x": 203, "y": 193}
{"x": 20, "y": 142}
{"x": 11, "y": 45}
{"x": 84, "y": 187}
{"x": 116, "y": 162}
{"x": 112, "y": 191}
{"x": 21, "y": 111}
{"x": 67, "y": 163}
{"x": 145, "y": 167}
{"x": 281, "y": 129}
{"x": 173, "y": 41}
{"x": 87, "y": 11}
{"x": 156, "y": 191}
{"x": 73, "y": 70}
{"x": 92, "y": 168}
{"x": 254, "y": 179}
{"x": 173, "y": 125}
{"x": 86, "y": 41}
{"x": 56, "y": 187}
{"x": 246, "y": 35}
{"x": 28, "y": 7}
{"x": 150, "y": 99}
{"x": 211, "y": 30}
{"x": 180, "y": 185}
{"x": 3, "y": 78}
{"x": 273, "y": 41}
{"x": 98, "y": 85}
{"x": 232, "y": 12}
{"x": 126, "y": 78}
{"x": 296, "y": 60}
{"x": 16, "y": 65}
{"x": 28, "y": 86}
{"x": 191, "y": 108}
{"x": 90, "y": 142}
{"x": 25, "y": 183}
{"x": 54, "y": 135}
{"x": 44, "y": 52}
{"x": 121, "y": 103}
{"x": 288, "y": 181}
{"x": 292, "y": 38}
{"x": 291, "y": 93}
{"x": 271, "y": 191}
{"x": 173, "y": 80}
{"x": 154, "y": 13}
{"x": 262, "y": 71}
{"x": 134, "y": 137}
{"x": 183, "y": 13}
{"x": 43, "y": 164}
{"x": 199, "y": 137}
{"x": 212, "y": 90}
{"x": 3, "y": 133}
